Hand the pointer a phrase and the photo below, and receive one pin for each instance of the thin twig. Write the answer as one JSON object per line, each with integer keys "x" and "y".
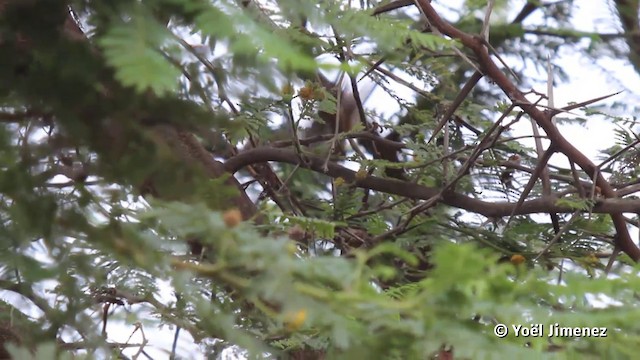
{"x": 557, "y": 235}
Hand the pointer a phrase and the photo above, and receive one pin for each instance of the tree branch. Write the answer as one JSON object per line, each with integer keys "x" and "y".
{"x": 543, "y": 204}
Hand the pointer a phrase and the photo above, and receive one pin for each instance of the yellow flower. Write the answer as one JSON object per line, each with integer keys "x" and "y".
{"x": 517, "y": 259}
{"x": 361, "y": 174}
{"x": 592, "y": 259}
{"x": 287, "y": 90}
{"x": 291, "y": 248}
{"x": 306, "y": 93}
{"x": 232, "y": 217}
{"x": 294, "y": 320}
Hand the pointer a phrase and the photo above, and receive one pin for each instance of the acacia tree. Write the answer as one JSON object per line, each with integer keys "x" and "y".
{"x": 226, "y": 150}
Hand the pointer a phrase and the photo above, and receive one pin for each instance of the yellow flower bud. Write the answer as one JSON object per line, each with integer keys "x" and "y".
{"x": 306, "y": 93}
{"x": 294, "y": 320}
{"x": 292, "y": 249}
{"x": 517, "y": 259}
{"x": 287, "y": 90}
{"x": 232, "y": 217}
{"x": 592, "y": 259}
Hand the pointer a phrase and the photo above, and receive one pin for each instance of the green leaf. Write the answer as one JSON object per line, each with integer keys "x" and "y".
{"x": 574, "y": 203}
{"x": 322, "y": 228}
{"x": 134, "y": 50}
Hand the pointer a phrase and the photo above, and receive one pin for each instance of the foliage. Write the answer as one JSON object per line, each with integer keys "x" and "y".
{"x": 124, "y": 142}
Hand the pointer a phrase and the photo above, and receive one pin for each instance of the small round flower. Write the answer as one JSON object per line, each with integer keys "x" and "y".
{"x": 307, "y": 93}
{"x": 291, "y": 248}
{"x": 517, "y": 259}
{"x": 294, "y": 320}
{"x": 287, "y": 91}
{"x": 361, "y": 174}
{"x": 232, "y": 217}
{"x": 592, "y": 259}
{"x": 297, "y": 233}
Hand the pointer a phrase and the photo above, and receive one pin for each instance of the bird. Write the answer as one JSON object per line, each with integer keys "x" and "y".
{"x": 345, "y": 119}
{"x": 506, "y": 177}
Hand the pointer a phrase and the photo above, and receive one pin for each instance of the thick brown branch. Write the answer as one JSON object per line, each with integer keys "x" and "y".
{"x": 544, "y": 204}
{"x": 394, "y": 5}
